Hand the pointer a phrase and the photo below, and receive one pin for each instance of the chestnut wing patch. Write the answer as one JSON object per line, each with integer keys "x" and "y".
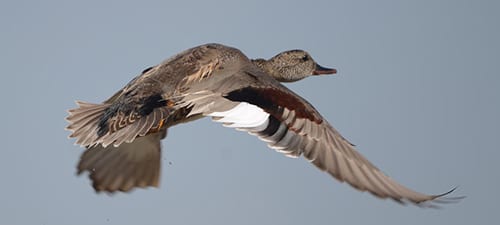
{"x": 273, "y": 100}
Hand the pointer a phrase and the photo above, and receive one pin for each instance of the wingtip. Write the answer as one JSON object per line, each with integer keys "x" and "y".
{"x": 442, "y": 198}
{"x": 445, "y": 199}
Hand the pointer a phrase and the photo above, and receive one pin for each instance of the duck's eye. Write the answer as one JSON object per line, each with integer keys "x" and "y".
{"x": 305, "y": 58}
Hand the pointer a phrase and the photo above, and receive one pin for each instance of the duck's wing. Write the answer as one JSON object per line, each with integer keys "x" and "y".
{"x": 122, "y": 168}
{"x": 290, "y": 125}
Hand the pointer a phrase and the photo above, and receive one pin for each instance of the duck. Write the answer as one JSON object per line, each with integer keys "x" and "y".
{"x": 122, "y": 135}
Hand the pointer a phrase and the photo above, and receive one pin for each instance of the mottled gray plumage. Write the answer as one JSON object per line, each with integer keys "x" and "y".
{"x": 291, "y": 66}
{"x": 123, "y": 134}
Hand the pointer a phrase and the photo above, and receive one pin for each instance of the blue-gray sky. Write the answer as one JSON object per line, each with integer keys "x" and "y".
{"x": 418, "y": 92}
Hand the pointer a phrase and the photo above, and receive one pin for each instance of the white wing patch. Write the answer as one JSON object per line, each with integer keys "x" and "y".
{"x": 244, "y": 116}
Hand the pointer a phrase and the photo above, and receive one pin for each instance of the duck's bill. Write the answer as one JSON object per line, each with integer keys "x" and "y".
{"x": 323, "y": 70}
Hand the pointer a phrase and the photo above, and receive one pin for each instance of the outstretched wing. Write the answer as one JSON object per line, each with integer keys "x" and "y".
{"x": 291, "y": 125}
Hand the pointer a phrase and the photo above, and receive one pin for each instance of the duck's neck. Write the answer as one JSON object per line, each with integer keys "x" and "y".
{"x": 262, "y": 64}
{"x": 269, "y": 67}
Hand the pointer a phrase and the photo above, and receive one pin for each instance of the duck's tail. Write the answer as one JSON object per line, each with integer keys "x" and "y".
{"x": 84, "y": 122}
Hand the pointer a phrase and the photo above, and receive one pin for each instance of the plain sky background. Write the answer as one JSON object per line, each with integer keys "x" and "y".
{"x": 418, "y": 92}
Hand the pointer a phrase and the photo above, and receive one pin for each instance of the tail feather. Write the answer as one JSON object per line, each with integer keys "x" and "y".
{"x": 85, "y": 124}
{"x": 84, "y": 121}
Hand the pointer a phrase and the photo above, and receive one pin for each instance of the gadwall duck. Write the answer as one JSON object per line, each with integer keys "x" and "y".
{"x": 122, "y": 135}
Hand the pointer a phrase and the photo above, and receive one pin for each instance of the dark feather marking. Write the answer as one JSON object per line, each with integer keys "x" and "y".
{"x": 103, "y": 121}
{"x": 147, "y": 69}
{"x": 271, "y": 128}
{"x": 146, "y": 106}
{"x": 151, "y": 103}
{"x": 272, "y": 100}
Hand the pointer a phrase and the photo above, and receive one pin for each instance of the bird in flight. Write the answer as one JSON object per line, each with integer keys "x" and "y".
{"x": 122, "y": 135}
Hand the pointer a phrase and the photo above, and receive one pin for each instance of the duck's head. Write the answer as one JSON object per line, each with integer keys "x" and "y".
{"x": 293, "y": 65}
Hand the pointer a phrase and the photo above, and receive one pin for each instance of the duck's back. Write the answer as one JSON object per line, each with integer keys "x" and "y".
{"x": 167, "y": 76}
